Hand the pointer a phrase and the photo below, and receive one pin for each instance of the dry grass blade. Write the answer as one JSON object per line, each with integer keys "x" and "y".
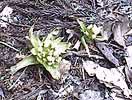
{"x": 1, "y": 42}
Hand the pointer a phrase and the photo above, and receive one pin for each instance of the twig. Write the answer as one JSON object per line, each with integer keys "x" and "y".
{"x": 14, "y": 24}
{"x": 61, "y": 90}
{"x": 83, "y": 73}
{"x": 40, "y": 76}
{"x": 17, "y": 79}
{"x": 94, "y": 4}
{"x": 1, "y": 42}
{"x": 29, "y": 95}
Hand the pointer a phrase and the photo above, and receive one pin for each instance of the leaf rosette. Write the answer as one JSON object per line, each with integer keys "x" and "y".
{"x": 48, "y": 51}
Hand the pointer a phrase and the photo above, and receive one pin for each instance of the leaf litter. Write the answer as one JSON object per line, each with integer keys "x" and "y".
{"x": 82, "y": 75}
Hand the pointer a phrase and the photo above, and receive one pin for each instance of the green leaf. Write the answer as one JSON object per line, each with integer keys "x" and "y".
{"x": 54, "y": 72}
{"x": 82, "y": 25}
{"x": 85, "y": 45}
{"x": 35, "y": 41}
{"x": 29, "y": 60}
{"x": 91, "y": 32}
{"x": 34, "y": 51}
{"x": 48, "y": 51}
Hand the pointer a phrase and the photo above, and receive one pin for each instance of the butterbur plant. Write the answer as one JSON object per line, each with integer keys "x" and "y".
{"x": 91, "y": 32}
{"x": 48, "y": 51}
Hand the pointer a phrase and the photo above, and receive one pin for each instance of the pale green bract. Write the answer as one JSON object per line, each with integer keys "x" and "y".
{"x": 48, "y": 51}
{"x": 91, "y": 31}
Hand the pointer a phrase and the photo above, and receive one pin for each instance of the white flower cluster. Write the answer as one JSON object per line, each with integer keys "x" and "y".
{"x": 48, "y": 51}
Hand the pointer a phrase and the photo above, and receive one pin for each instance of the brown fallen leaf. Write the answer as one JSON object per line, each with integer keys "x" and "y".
{"x": 106, "y": 29}
{"x": 118, "y": 35}
{"x": 107, "y": 52}
{"x": 2, "y": 93}
{"x": 128, "y": 72}
{"x": 128, "y": 68}
{"x": 119, "y": 29}
{"x": 113, "y": 78}
{"x": 64, "y": 67}
{"x": 129, "y": 32}
{"x": 129, "y": 57}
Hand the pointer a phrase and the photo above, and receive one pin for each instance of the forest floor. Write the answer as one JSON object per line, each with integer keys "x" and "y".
{"x": 35, "y": 83}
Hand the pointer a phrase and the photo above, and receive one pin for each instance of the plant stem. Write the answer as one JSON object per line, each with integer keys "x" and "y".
{"x": 85, "y": 45}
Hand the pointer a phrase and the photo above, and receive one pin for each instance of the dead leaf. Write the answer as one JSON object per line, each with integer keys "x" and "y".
{"x": 119, "y": 29}
{"x": 128, "y": 72}
{"x": 129, "y": 32}
{"x": 5, "y": 16}
{"x": 107, "y": 52}
{"x": 110, "y": 77}
{"x": 128, "y": 68}
{"x": 64, "y": 67}
{"x": 129, "y": 58}
{"x": 77, "y": 45}
{"x": 90, "y": 95}
{"x": 106, "y": 29}
{"x": 118, "y": 35}
{"x": 2, "y": 93}
{"x": 114, "y": 96}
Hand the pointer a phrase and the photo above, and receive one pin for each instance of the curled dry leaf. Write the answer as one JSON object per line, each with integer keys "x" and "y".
{"x": 110, "y": 77}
